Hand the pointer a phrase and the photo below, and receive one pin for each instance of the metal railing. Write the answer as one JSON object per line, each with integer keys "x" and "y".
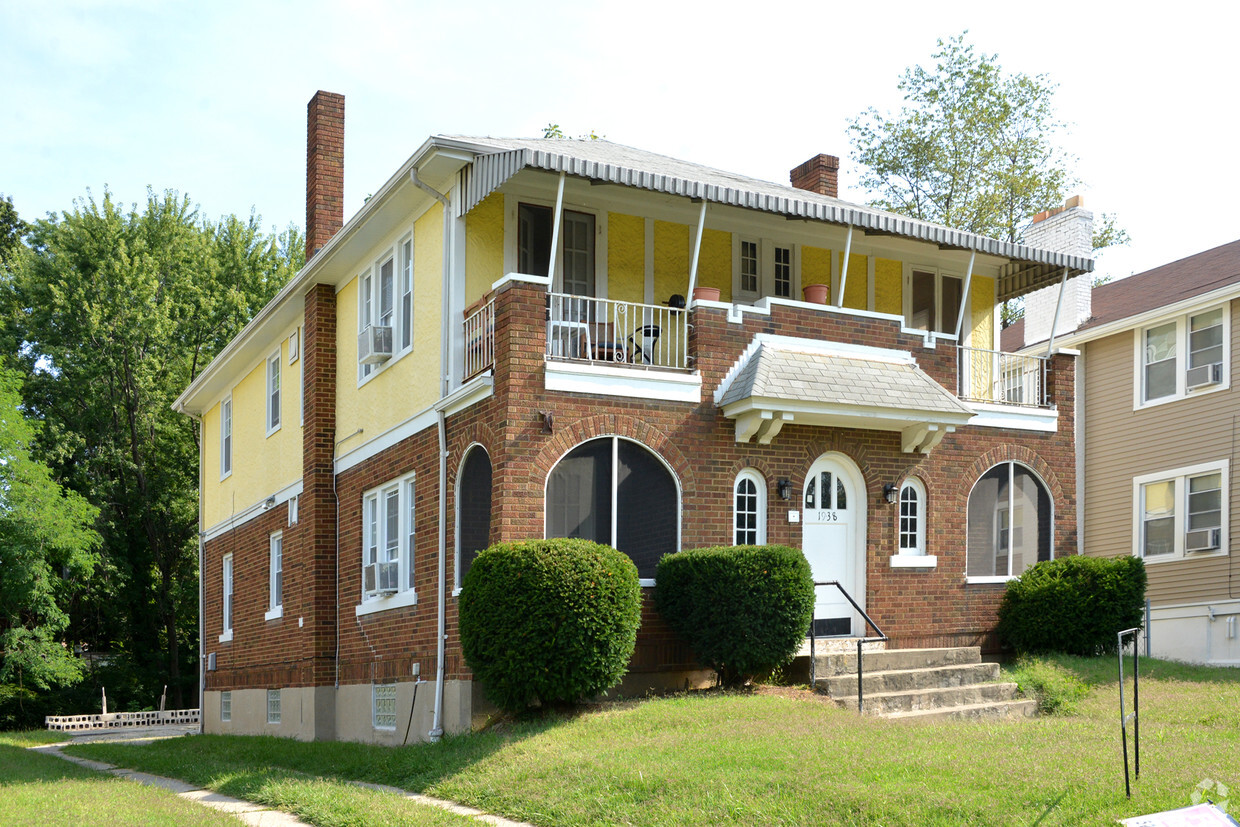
{"x": 1136, "y": 706}
{"x": 813, "y": 639}
{"x": 480, "y": 340}
{"x": 584, "y": 329}
{"x": 1001, "y": 378}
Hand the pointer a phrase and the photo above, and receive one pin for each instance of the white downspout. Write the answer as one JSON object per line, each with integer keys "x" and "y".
{"x": 697, "y": 249}
{"x": 1050, "y": 342}
{"x": 444, "y": 344}
{"x": 556, "y": 220}
{"x": 839, "y": 299}
{"x": 964, "y": 299}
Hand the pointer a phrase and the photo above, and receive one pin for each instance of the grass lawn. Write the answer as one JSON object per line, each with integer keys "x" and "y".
{"x": 715, "y": 758}
{"x": 46, "y": 790}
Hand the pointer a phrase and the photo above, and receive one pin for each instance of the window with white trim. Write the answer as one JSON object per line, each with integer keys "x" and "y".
{"x": 762, "y": 267}
{"x": 273, "y": 706}
{"x": 226, "y": 705}
{"x": 385, "y": 302}
{"x": 293, "y": 508}
{"x": 932, "y": 300}
{"x": 912, "y": 503}
{"x": 275, "y": 584}
{"x": 749, "y": 267}
{"x": 1181, "y": 513}
{"x": 273, "y": 393}
{"x": 383, "y": 705}
{"x": 1010, "y": 523}
{"x": 406, "y": 293}
{"x": 226, "y": 577}
{"x": 388, "y": 539}
{"x": 1183, "y": 356}
{"x": 749, "y": 509}
{"x": 226, "y": 417}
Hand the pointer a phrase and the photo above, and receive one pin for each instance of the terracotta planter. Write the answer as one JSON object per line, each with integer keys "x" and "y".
{"x": 706, "y": 294}
{"x": 815, "y": 293}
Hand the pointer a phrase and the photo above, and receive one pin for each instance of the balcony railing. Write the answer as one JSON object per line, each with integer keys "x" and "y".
{"x": 1001, "y": 378}
{"x": 583, "y": 329}
{"x": 480, "y": 339}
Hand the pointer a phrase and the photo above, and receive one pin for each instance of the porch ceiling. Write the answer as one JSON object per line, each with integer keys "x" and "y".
{"x": 780, "y": 380}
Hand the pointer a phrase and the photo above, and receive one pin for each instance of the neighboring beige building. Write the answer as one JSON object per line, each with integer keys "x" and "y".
{"x": 1157, "y": 428}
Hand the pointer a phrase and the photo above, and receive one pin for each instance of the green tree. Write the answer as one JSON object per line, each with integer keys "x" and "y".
{"x": 117, "y": 311}
{"x": 47, "y": 551}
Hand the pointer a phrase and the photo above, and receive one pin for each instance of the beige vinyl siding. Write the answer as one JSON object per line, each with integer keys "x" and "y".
{"x": 1121, "y": 444}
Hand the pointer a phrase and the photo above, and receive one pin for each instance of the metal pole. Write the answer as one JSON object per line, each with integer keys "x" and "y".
{"x": 859, "y": 673}
{"x": 1123, "y": 719}
{"x": 1136, "y": 708}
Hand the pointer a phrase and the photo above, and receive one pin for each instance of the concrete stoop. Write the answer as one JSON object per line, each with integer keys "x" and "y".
{"x": 922, "y": 684}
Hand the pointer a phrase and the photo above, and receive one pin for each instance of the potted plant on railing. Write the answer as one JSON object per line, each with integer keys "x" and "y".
{"x": 706, "y": 294}
{"x": 816, "y": 293}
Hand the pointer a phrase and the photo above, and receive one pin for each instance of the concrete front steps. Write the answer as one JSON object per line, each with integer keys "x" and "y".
{"x": 921, "y": 684}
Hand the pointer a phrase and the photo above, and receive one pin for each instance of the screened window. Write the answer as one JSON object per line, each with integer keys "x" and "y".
{"x": 226, "y": 437}
{"x": 534, "y": 239}
{"x": 388, "y": 534}
{"x": 273, "y": 706}
{"x": 749, "y": 509}
{"x": 273, "y": 393}
{"x": 618, "y": 493}
{"x": 1010, "y": 522}
{"x": 474, "y": 509}
{"x": 1183, "y": 356}
{"x": 912, "y": 518}
{"x": 1181, "y": 512}
{"x": 934, "y": 301}
{"x": 383, "y": 704}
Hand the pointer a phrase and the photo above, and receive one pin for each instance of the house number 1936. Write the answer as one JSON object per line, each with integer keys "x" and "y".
{"x": 828, "y": 517}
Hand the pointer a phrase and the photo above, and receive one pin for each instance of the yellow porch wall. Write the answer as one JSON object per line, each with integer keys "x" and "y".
{"x": 983, "y": 310}
{"x": 815, "y": 266}
{"x": 856, "y": 287}
{"x": 626, "y": 257}
{"x": 484, "y": 247}
{"x": 262, "y": 465}
{"x": 407, "y": 385}
{"x": 888, "y": 275}
{"x": 714, "y": 263}
{"x": 671, "y": 259}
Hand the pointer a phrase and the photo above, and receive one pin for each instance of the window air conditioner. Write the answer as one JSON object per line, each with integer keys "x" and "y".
{"x": 381, "y": 578}
{"x": 1203, "y": 539}
{"x": 374, "y": 345}
{"x": 1203, "y": 375}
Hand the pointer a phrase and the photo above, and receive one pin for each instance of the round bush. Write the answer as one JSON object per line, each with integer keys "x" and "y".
{"x": 744, "y": 610}
{"x": 1074, "y": 605}
{"x": 549, "y": 622}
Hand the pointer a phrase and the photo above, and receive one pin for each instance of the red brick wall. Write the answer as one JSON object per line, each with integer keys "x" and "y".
{"x": 324, "y": 169}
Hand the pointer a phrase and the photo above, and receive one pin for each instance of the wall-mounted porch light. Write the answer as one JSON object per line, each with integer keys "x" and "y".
{"x": 891, "y": 493}
{"x": 783, "y": 488}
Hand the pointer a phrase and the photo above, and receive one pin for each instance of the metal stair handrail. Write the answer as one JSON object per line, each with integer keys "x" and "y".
{"x": 813, "y": 639}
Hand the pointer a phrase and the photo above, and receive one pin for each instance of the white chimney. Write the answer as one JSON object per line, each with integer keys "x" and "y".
{"x": 1065, "y": 230}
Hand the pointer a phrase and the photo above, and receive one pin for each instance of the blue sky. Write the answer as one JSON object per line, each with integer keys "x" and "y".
{"x": 209, "y": 98}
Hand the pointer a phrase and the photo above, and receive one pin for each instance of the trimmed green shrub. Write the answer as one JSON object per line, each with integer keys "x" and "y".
{"x": 744, "y": 610}
{"x": 1074, "y": 605}
{"x": 549, "y": 622}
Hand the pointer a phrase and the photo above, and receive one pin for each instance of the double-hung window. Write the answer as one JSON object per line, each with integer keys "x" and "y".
{"x": 275, "y": 584}
{"x": 226, "y": 437}
{"x": 1181, "y": 513}
{"x": 1182, "y": 356}
{"x": 932, "y": 300}
{"x": 388, "y": 541}
{"x": 273, "y": 393}
{"x": 385, "y": 309}
{"x": 226, "y": 577}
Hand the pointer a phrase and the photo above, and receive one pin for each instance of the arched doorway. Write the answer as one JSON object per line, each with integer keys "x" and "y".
{"x": 833, "y": 539}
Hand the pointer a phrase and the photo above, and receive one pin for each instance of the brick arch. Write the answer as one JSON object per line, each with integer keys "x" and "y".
{"x": 582, "y": 430}
{"x": 1009, "y": 452}
{"x": 837, "y": 442}
{"x": 475, "y": 432}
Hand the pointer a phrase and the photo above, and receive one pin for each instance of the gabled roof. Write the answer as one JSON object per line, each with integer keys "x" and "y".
{"x": 780, "y": 379}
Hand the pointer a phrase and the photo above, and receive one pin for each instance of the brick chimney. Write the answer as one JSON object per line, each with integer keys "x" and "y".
{"x": 324, "y": 169}
{"x": 820, "y": 174}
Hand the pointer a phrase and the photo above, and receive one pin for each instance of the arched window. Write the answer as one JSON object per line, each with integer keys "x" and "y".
{"x": 473, "y": 504}
{"x": 1011, "y": 522}
{"x": 618, "y": 493}
{"x": 749, "y": 509}
{"x": 912, "y": 533}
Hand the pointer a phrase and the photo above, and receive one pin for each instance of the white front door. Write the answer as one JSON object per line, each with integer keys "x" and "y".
{"x": 833, "y": 540}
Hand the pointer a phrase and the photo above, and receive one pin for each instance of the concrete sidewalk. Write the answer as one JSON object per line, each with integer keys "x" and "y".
{"x": 249, "y": 812}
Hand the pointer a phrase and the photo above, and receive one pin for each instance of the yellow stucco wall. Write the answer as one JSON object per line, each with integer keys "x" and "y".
{"x": 856, "y": 285}
{"x": 400, "y": 389}
{"x": 983, "y": 309}
{"x": 815, "y": 266}
{"x": 262, "y": 465}
{"x": 671, "y": 259}
{"x": 715, "y": 263}
{"x": 626, "y": 257}
{"x": 484, "y": 247}
{"x": 888, "y": 277}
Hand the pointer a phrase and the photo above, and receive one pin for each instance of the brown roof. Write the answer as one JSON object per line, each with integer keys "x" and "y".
{"x": 1192, "y": 276}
